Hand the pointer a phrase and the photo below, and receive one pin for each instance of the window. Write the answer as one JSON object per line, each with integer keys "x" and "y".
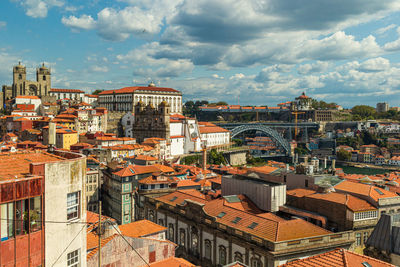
{"x": 151, "y": 216}
{"x": 207, "y": 249}
{"x": 182, "y": 237}
{"x": 161, "y": 222}
{"x": 222, "y": 255}
{"x": 365, "y": 215}
{"x": 238, "y": 257}
{"x": 73, "y": 258}
{"x": 222, "y": 214}
{"x": 21, "y": 217}
{"x": 7, "y": 222}
{"x": 171, "y": 232}
{"x": 256, "y": 262}
{"x": 35, "y": 214}
{"x": 73, "y": 205}
{"x": 252, "y": 225}
{"x": 358, "y": 239}
{"x": 365, "y": 237}
{"x": 236, "y": 220}
{"x": 306, "y": 183}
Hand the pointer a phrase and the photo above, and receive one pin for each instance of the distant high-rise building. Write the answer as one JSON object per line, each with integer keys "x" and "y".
{"x": 382, "y": 107}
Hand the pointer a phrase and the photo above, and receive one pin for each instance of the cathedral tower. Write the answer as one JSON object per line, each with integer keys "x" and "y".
{"x": 43, "y": 77}
{"x": 19, "y": 78}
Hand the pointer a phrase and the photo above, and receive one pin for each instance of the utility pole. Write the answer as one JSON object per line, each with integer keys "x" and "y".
{"x": 99, "y": 233}
{"x": 99, "y": 223}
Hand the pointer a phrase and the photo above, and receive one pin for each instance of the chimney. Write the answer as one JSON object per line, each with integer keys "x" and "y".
{"x": 204, "y": 158}
{"x": 52, "y": 135}
{"x": 333, "y": 164}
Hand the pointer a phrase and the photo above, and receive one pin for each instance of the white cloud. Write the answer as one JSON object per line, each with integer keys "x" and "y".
{"x": 84, "y": 22}
{"x": 385, "y": 29}
{"x": 39, "y": 8}
{"x": 319, "y": 66}
{"x": 395, "y": 45}
{"x": 339, "y": 46}
{"x": 3, "y": 24}
{"x": 99, "y": 68}
{"x": 375, "y": 65}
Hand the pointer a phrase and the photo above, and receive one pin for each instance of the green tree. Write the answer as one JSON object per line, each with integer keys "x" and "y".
{"x": 363, "y": 111}
{"x": 216, "y": 157}
{"x": 237, "y": 141}
{"x": 301, "y": 151}
{"x": 96, "y": 92}
{"x": 343, "y": 155}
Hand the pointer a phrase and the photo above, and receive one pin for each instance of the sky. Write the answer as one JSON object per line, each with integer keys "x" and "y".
{"x": 248, "y": 52}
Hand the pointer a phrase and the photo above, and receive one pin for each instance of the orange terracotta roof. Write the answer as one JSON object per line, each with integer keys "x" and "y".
{"x": 129, "y": 90}
{"x": 184, "y": 183}
{"x": 170, "y": 262}
{"x": 141, "y": 228}
{"x": 56, "y": 90}
{"x": 152, "y": 179}
{"x": 179, "y": 196}
{"x": 337, "y": 258}
{"x": 264, "y": 169}
{"x": 17, "y": 164}
{"x": 353, "y": 203}
{"x": 267, "y": 228}
{"x": 212, "y": 129}
{"x": 300, "y": 192}
{"x": 363, "y": 189}
{"x": 27, "y": 96}
{"x": 145, "y": 158}
{"x": 177, "y": 136}
{"x": 103, "y": 243}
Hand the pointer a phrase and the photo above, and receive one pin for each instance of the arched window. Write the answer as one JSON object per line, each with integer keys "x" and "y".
{"x": 151, "y": 216}
{"x": 255, "y": 261}
{"x": 171, "y": 232}
{"x": 207, "y": 249}
{"x": 182, "y": 237}
{"x": 222, "y": 255}
{"x": 195, "y": 241}
{"x": 238, "y": 257}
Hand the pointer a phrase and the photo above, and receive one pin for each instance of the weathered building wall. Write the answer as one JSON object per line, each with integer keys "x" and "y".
{"x": 118, "y": 252}
{"x": 61, "y": 178}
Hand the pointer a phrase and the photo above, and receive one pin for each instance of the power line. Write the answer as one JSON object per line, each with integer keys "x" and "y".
{"x": 68, "y": 246}
{"x": 65, "y": 222}
{"x": 130, "y": 244}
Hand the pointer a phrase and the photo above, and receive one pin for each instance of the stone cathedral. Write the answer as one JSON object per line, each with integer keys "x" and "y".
{"x": 21, "y": 86}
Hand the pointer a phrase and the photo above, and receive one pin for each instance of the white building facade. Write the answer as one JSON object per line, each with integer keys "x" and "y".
{"x": 126, "y": 98}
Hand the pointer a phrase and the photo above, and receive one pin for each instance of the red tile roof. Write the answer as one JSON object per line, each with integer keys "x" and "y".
{"x": 57, "y": 90}
{"x": 145, "y": 158}
{"x": 353, "y": 203}
{"x": 172, "y": 262}
{"x": 28, "y": 96}
{"x": 337, "y": 258}
{"x": 141, "y": 228}
{"x": 272, "y": 229}
{"x": 127, "y": 90}
{"x": 17, "y": 164}
{"x": 212, "y": 129}
{"x": 185, "y": 183}
{"x": 364, "y": 189}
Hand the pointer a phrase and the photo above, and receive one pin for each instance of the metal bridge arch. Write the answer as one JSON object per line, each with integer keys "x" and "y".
{"x": 265, "y": 129}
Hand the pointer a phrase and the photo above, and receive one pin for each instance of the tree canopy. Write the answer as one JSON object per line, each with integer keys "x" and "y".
{"x": 363, "y": 111}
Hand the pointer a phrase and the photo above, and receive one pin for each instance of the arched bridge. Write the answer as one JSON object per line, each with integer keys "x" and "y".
{"x": 265, "y": 129}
